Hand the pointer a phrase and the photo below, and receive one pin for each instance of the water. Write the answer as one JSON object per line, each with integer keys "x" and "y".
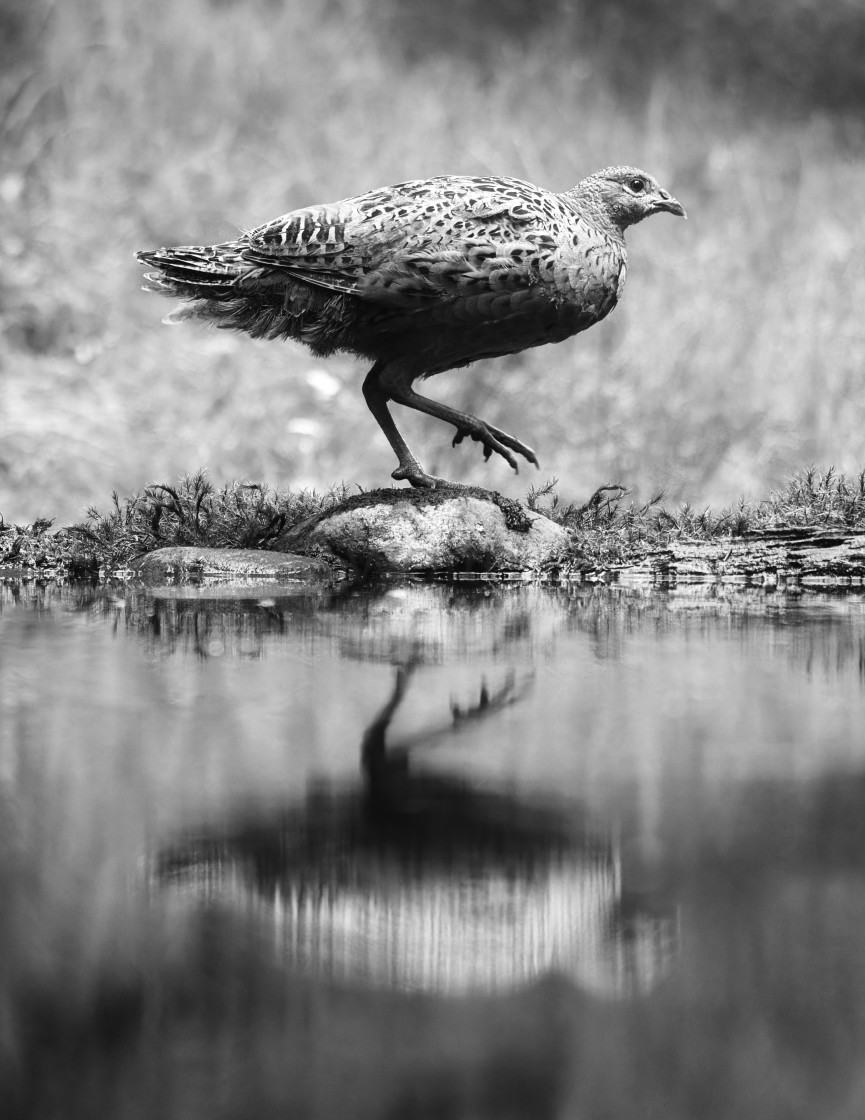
{"x": 431, "y": 851}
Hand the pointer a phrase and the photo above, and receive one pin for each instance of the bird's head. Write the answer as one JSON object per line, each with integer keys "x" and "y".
{"x": 628, "y": 195}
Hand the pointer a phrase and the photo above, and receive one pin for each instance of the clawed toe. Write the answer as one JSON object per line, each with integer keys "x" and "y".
{"x": 515, "y": 445}
{"x": 418, "y": 477}
{"x": 494, "y": 439}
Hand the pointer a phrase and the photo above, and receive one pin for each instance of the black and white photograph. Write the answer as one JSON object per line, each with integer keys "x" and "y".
{"x": 432, "y": 559}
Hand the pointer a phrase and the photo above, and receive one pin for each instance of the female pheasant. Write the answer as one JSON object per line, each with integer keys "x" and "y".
{"x": 423, "y": 277}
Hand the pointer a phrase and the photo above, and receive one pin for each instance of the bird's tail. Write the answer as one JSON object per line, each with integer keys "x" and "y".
{"x": 205, "y": 276}
{"x": 194, "y": 271}
{"x": 219, "y": 286}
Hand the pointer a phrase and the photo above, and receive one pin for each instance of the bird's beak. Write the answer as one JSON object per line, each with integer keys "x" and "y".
{"x": 665, "y": 203}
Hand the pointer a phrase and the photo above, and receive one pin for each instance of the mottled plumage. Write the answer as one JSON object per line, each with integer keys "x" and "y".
{"x": 422, "y": 277}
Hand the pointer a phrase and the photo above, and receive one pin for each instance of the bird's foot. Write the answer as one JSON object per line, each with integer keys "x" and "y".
{"x": 418, "y": 477}
{"x": 494, "y": 439}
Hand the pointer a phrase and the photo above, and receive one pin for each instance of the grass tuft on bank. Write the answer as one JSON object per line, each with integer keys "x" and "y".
{"x": 609, "y": 529}
{"x": 191, "y": 512}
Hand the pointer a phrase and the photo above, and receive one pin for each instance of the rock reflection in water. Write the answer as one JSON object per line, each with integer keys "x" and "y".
{"x": 424, "y": 882}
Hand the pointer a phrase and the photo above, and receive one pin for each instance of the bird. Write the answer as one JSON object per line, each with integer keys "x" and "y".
{"x": 422, "y": 277}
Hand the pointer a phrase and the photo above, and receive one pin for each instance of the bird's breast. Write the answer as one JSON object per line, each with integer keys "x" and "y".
{"x": 472, "y": 326}
{"x": 589, "y": 272}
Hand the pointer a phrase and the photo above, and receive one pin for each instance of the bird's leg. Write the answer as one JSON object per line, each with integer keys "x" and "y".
{"x": 409, "y": 468}
{"x": 493, "y": 439}
{"x": 373, "y": 747}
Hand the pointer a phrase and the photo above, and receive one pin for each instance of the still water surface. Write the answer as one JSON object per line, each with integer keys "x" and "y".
{"x": 425, "y": 851}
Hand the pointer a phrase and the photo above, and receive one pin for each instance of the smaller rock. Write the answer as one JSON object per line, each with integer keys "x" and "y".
{"x": 229, "y": 563}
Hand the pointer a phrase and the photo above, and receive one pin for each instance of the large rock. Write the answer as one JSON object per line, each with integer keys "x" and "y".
{"x": 429, "y": 530}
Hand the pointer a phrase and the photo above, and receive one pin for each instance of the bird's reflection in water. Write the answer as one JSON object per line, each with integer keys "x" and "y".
{"x": 425, "y": 881}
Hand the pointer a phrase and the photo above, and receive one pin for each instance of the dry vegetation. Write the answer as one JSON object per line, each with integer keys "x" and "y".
{"x": 608, "y": 530}
{"x": 735, "y": 358}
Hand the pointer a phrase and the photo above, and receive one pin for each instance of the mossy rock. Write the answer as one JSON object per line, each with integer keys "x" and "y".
{"x": 469, "y": 529}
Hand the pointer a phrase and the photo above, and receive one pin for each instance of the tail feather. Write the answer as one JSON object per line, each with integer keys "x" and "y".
{"x": 189, "y": 268}
{"x": 202, "y": 310}
{"x": 221, "y": 288}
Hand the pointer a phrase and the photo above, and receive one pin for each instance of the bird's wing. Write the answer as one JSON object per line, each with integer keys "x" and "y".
{"x": 422, "y": 239}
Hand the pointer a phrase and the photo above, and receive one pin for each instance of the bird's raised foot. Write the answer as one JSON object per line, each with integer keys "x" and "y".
{"x": 494, "y": 439}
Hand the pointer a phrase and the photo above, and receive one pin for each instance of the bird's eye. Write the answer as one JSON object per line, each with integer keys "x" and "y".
{"x": 637, "y": 185}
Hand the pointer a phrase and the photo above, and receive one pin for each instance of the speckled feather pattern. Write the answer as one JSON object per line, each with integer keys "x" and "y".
{"x": 429, "y": 274}
{"x": 474, "y": 252}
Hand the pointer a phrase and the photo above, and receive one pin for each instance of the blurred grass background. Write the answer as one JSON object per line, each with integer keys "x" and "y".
{"x": 735, "y": 358}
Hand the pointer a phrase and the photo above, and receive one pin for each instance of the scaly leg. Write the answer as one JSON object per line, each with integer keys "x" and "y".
{"x": 493, "y": 439}
{"x": 409, "y": 468}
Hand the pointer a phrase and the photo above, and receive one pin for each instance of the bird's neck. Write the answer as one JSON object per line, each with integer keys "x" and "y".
{"x": 587, "y": 202}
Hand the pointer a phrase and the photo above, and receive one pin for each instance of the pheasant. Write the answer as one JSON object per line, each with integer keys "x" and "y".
{"x": 423, "y": 277}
